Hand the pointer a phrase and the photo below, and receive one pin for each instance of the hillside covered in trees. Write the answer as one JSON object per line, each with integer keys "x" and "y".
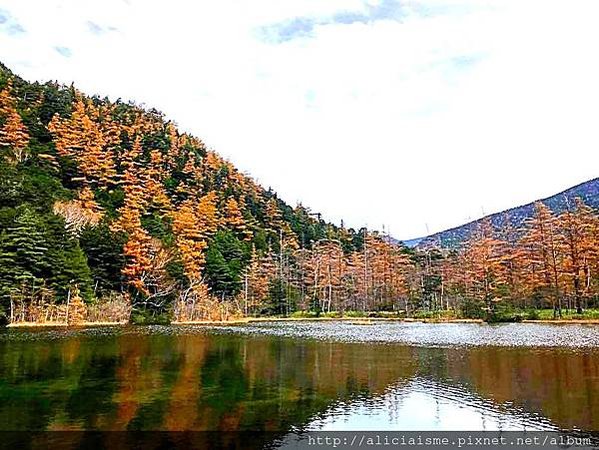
{"x": 109, "y": 213}
{"x": 110, "y": 200}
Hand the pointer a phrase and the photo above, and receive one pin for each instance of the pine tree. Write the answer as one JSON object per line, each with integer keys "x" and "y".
{"x": 225, "y": 261}
{"x": 104, "y": 252}
{"x": 23, "y": 260}
{"x": 69, "y": 266}
{"x": 26, "y": 239}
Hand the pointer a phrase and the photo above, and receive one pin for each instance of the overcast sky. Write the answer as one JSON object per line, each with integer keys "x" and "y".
{"x": 409, "y": 114}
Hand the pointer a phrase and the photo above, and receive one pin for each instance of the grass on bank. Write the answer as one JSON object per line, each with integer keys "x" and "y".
{"x": 501, "y": 314}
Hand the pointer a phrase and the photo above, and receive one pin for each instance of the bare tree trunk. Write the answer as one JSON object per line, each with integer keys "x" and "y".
{"x": 245, "y": 293}
{"x": 316, "y": 275}
{"x": 365, "y": 272}
{"x": 68, "y": 303}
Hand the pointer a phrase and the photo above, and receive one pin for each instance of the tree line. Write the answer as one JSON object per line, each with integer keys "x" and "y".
{"x": 107, "y": 205}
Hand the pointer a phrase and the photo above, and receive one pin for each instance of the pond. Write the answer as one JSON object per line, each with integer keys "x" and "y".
{"x": 288, "y": 377}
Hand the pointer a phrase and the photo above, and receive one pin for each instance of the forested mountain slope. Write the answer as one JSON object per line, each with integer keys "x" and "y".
{"x": 104, "y": 199}
{"x": 516, "y": 217}
{"x": 108, "y": 213}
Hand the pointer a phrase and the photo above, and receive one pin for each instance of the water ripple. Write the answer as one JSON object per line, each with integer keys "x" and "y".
{"x": 571, "y": 336}
{"x": 432, "y": 335}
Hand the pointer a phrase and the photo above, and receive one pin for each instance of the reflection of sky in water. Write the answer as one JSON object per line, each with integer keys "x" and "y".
{"x": 424, "y": 405}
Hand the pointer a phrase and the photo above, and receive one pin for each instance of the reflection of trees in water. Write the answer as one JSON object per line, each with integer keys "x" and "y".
{"x": 270, "y": 384}
{"x": 223, "y": 382}
{"x": 187, "y": 381}
{"x": 560, "y": 384}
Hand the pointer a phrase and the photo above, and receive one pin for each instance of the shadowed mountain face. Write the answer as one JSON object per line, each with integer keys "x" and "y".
{"x": 588, "y": 192}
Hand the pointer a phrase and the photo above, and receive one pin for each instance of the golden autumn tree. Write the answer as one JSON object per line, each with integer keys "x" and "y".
{"x": 579, "y": 241}
{"x": 137, "y": 252}
{"x": 259, "y": 274}
{"x": 483, "y": 257}
{"x": 7, "y": 101}
{"x": 513, "y": 259}
{"x": 353, "y": 283}
{"x": 76, "y": 310}
{"x": 190, "y": 237}
{"x": 80, "y": 137}
{"x": 234, "y": 220}
{"x": 137, "y": 249}
{"x": 151, "y": 179}
{"x": 273, "y": 214}
{"x": 208, "y": 214}
{"x": 110, "y": 128}
{"x": 544, "y": 253}
{"x": 13, "y": 132}
{"x": 328, "y": 267}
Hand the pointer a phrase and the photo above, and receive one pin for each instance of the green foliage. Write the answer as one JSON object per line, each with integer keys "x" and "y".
{"x": 149, "y": 316}
{"x": 158, "y": 226}
{"x": 277, "y": 296}
{"x": 28, "y": 184}
{"x": 473, "y": 309}
{"x": 354, "y": 314}
{"x": 36, "y": 251}
{"x": 504, "y": 313}
{"x": 303, "y": 315}
{"x": 226, "y": 257}
{"x": 110, "y": 201}
{"x": 23, "y": 250}
{"x": 71, "y": 269}
{"x": 104, "y": 251}
{"x": 547, "y": 314}
{"x": 282, "y": 298}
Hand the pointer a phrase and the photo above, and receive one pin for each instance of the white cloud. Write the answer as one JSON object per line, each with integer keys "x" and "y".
{"x": 426, "y": 118}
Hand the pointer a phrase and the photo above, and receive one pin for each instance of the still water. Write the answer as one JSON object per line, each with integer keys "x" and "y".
{"x": 302, "y": 376}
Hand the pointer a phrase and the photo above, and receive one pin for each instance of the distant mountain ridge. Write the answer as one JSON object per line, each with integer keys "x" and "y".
{"x": 453, "y": 237}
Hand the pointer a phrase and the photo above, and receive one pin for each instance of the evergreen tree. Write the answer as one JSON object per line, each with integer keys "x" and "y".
{"x": 104, "y": 251}
{"x": 225, "y": 259}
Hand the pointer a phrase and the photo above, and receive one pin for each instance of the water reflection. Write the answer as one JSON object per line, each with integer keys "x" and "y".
{"x": 167, "y": 380}
{"x": 427, "y": 405}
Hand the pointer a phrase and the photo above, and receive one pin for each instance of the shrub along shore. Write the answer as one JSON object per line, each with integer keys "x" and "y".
{"x": 590, "y": 316}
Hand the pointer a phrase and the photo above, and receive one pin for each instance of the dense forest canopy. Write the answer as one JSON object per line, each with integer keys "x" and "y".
{"x": 109, "y": 212}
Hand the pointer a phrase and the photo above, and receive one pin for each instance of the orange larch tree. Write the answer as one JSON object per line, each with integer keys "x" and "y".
{"x": 544, "y": 254}
{"x": 13, "y": 132}
{"x": 576, "y": 232}
{"x": 484, "y": 260}
{"x": 80, "y": 137}
{"x": 234, "y": 220}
